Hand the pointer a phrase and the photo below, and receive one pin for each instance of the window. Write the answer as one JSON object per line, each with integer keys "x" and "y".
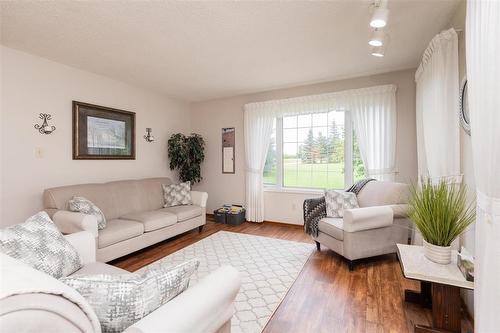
{"x": 314, "y": 151}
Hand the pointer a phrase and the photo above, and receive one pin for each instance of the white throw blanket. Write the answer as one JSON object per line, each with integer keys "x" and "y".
{"x": 18, "y": 278}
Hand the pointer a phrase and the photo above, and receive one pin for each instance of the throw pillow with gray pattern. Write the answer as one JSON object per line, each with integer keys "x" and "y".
{"x": 337, "y": 201}
{"x": 121, "y": 300}
{"x": 38, "y": 243}
{"x": 177, "y": 194}
{"x": 85, "y": 206}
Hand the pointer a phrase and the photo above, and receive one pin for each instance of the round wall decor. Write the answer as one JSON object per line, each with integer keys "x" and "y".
{"x": 464, "y": 107}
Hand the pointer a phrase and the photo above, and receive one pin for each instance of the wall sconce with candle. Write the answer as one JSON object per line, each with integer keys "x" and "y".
{"x": 44, "y": 128}
{"x": 149, "y": 137}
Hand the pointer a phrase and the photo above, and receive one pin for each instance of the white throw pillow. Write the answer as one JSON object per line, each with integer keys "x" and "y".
{"x": 177, "y": 194}
{"x": 121, "y": 300}
{"x": 85, "y": 206}
{"x": 38, "y": 243}
{"x": 337, "y": 201}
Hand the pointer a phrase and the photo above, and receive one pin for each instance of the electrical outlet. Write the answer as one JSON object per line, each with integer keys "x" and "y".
{"x": 39, "y": 153}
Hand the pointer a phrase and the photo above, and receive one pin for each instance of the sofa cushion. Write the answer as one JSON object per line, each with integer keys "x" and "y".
{"x": 122, "y": 300}
{"x": 99, "y": 268}
{"x": 332, "y": 226}
{"x": 152, "y": 220}
{"x": 38, "y": 243}
{"x": 184, "y": 212}
{"x": 119, "y": 230}
{"x": 85, "y": 206}
{"x": 177, "y": 194}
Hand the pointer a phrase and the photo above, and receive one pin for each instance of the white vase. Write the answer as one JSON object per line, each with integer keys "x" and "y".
{"x": 437, "y": 254}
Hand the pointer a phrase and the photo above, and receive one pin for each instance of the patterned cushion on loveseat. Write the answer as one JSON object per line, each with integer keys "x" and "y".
{"x": 121, "y": 300}
{"x": 38, "y": 243}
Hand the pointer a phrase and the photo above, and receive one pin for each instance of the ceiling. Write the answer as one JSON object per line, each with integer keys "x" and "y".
{"x": 197, "y": 51}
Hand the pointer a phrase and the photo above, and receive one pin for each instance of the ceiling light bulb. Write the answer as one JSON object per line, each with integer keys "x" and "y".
{"x": 377, "y": 38}
{"x": 378, "y": 51}
{"x": 380, "y": 15}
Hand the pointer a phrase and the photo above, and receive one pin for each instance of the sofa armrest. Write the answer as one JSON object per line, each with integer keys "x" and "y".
{"x": 366, "y": 218}
{"x": 203, "y": 308}
{"x": 70, "y": 222}
{"x": 84, "y": 243}
{"x": 199, "y": 198}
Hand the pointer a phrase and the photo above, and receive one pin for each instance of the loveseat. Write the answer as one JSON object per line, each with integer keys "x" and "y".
{"x": 373, "y": 229}
{"x": 134, "y": 212}
{"x": 32, "y": 301}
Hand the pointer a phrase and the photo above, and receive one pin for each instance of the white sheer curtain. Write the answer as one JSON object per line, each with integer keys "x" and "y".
{"x": 483, "y": 74}
{"x": 374, "y": 118}
{"x": 258, "y": 127}
{"x": 438, "y": 129}
{"x": 376, "y": 108}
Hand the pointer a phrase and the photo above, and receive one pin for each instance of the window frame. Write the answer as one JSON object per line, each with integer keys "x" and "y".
{"x": 348, "y": 158}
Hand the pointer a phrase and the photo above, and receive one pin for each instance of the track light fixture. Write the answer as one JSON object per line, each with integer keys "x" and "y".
{"x": 380, "y": 14}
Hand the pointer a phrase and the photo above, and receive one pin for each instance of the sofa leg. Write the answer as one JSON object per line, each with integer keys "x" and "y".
{"x": 200, "y": 228}
{"x": 318, "y": 246}
{"x": 350, "y": 263}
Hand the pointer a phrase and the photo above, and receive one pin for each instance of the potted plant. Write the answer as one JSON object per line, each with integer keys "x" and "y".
{"x": 441, "y": 214}
{"x": 186, "y": 153}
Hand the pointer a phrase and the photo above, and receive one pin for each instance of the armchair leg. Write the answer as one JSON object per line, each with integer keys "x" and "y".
{"x": 350, "y": 263}
{"x": 318, "y": 246}
{"x": 200, "y": 228}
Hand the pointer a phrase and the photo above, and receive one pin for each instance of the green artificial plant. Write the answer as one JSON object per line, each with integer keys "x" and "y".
{"x": 186, "y": 154}
{"x": 440, "y": 211}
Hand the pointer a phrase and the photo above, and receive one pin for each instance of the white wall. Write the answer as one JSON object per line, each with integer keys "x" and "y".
{"x": 209, "y": 117}
{"x": 31, "y": 85}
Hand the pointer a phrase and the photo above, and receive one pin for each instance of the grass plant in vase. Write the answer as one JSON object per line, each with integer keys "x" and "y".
{"x": 441, "y": 214}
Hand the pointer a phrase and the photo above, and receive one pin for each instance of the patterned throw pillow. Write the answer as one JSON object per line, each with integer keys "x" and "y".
{"x": 337, "y": 201}
{"x": 177, "y": 194}
{"x": 38, "y": 243}
{"x": 121, "y": 300}
{"x": 85, "y": 206}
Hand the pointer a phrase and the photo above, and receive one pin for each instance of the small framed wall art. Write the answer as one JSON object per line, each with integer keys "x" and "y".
{"x": 228, "y": 140}
{"x": 102, "y": 133}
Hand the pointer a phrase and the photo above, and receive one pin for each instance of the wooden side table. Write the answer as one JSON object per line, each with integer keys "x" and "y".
{"x": 440, "y": 288}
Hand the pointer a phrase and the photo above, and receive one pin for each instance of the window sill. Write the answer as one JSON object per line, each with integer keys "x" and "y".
{"x": 293, "y": 190}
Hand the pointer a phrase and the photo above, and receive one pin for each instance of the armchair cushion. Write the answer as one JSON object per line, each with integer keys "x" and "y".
{"x": 366, "y": 218}
{"x": 332, "y": 226}
{"x": 38, "y": 243}
{"x": 337, "y": 201}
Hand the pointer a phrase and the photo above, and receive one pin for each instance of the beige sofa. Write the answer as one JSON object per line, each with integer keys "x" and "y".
{"x": 32, "y": 301}
{"x": 134, "y": 213}
{"x": 374, "y": 228}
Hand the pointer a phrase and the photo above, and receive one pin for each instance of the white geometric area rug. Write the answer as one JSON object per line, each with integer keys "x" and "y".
{"x": 268, "y": 268}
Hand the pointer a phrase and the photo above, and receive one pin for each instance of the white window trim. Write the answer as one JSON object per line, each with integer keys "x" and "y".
{"x": 348, "y": 162}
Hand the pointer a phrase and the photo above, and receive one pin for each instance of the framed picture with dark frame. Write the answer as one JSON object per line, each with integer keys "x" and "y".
{"x": 102, "y": 133}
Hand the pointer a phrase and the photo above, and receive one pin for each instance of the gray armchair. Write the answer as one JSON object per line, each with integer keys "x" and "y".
{"x": 373, "y": 229}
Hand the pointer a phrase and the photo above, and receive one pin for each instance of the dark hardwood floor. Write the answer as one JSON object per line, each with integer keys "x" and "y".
{"x": 326, "y": 297}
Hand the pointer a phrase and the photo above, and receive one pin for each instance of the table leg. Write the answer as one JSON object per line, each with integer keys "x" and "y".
{"x": 446, "y": 305}
{"x": 422, "y": 298}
